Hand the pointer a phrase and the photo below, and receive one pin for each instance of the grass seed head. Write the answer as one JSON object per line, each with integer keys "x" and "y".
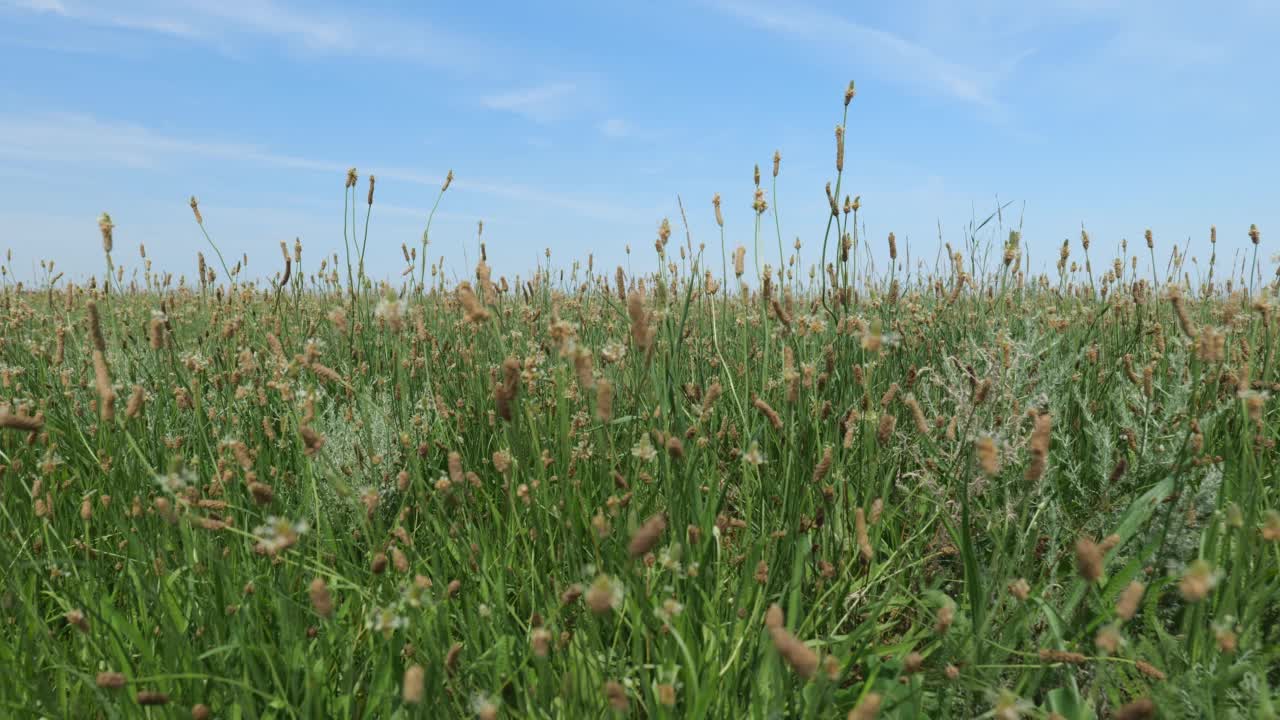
{"x": 647, "y": 535}
{"x": 1140, "y": 709}
{"x": 110, "y": 680}
{"x": 868, "y": 708}
{"x": 107, "y": 227}
{"x": 321, "y": 600}
{"x": 1130, "y": 597}
{"x": 801, "y": 659}
{"x": 884, "y": 431}
{"x": 21, "y": 422}
{"x": 1149, "y": 670}
{"x": 1198, "y": 580}
{"x": 1089, "y": 559}
{"x": 616, "y": 695}
{"x": 1040, "y": 438}
{"x": 473, "y": 310}
{"x": 152, "y": 697}
{"x": 412, "y": 692}
{"x": 860, "y": 531}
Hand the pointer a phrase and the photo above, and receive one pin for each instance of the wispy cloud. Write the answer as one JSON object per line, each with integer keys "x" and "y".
{"x": 228, "y": 24}
{"x": 237, "y": 27}
{"x": 909, "y": 62}
{"x": 540, "y": 102}
{"x": 79, "y": 141}
{"x": 50, "y": 6}
{"x": 160, "y": 21}
{"x": 616, "y": 128}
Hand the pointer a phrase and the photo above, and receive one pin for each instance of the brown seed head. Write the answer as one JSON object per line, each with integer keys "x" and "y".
{"x": 106, "y": 226}
{"x": 110, "y": 680}
{"x": 824, "y": 465}
{"x": 76, "y": 619}
{"x": 152, "y": 697}
{"x": 800, "y": 657}
{"x": 1141, "y": 709}
{"x": 767, "y": 410}
{"x": 451, "y": 657}
{"x": 1127, "y": 604}
{"x": 312, "y": 441}
{"x": 839, "y": 148}
{"x": 1062, "y": 656}
{"x": 600, "y": 596}
{"x": 540, "y": 642}
{"x": 1088, "y": 559}
{"x": 1198, "y": 580}
{"x": 1020, "y": 589}
{"x": 473, "y": 310}
{"x": 321, "y": 600}
{"x": 604, "y": 400}
{"x": 641, "y": 333}
{"x": 1040, "y": 437}
{"x": 867, "y": 708}
{"x": 616, "y": 695}
{"x": 1149, "y": 670}
{"x": 773, "y": 617}
{"x": 646, "y": 536}
{"x": 884, "y": 432}
{"x": 860, "y": 532}
{"x": 988, "y": 456}
{"x": 18, "y": 421}
{"x": 412, "y": 692}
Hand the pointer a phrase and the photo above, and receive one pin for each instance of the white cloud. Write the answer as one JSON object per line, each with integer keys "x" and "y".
{"x": 616, "y": 128}
{"x": 225, "y": 24}
{"x": 229, "y": 26}
{"x": 160, "y": 21}
{"x": 541, "y": 102}
{"x": 912, "y": 63}
{"x": 49, "y": 6}
{"x": 311, "y": 30}
{"x": 78, "y": 141}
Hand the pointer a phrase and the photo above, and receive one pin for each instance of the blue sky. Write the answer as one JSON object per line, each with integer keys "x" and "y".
{"x": 575, "y": 125}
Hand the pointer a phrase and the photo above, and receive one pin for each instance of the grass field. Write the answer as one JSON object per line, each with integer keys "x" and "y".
{"x": 716, "y": 490}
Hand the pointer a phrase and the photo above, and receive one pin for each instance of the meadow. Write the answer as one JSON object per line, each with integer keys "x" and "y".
{"x": 847, "y": 484}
